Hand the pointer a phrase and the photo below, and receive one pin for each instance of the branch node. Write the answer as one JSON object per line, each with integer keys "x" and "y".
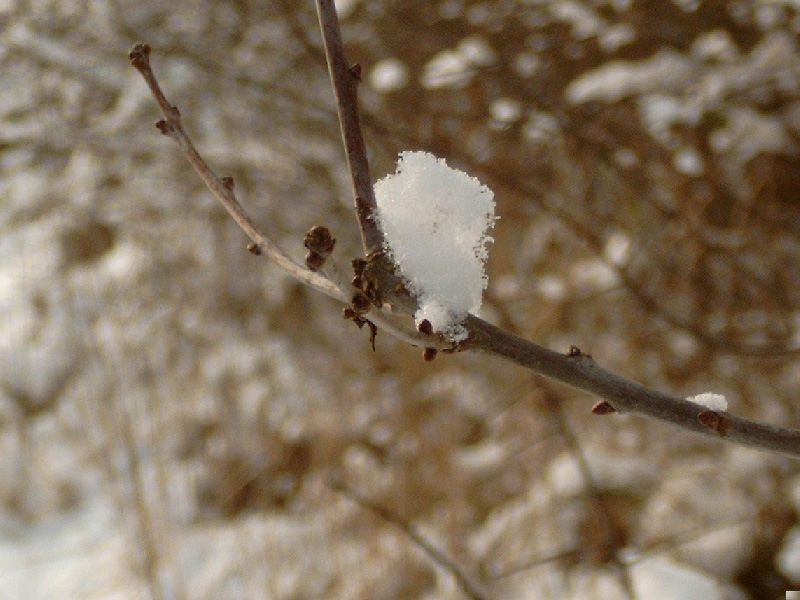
{"x": 715, "y": 421}
{"x": 165, "y": 127}
{"x": 603, "y": 408}
{"x": 576, "y": 352}
{"x": 355, "y": 71}
{"x": 425, "y": 327}
{"x": 140, "y": 56}
{"x": 319, "y": 243}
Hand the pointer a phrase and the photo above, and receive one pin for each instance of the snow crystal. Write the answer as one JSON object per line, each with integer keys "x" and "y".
{"x": 710, "y": 400}
{"x": 435, "y": 220}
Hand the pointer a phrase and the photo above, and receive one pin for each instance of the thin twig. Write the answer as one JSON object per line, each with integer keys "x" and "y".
{"x": 345, "y": 79}
{"x": 222, "y": 188}
{"x": 328, "y": 280}
{"x": 436, "y": 555}
{"x": 577, "y": 370}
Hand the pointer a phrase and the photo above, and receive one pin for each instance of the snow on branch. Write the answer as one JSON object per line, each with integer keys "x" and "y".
{"x": 465, "y": 212}
{"x": 434, "y": 221}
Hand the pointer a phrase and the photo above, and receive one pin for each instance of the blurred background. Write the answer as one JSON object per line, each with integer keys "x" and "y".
{"x": 172, "y": 408}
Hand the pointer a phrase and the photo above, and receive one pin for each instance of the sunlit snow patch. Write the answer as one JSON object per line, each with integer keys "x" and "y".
{"x": 435, "y": 221}
{"x": 710, "y": 400}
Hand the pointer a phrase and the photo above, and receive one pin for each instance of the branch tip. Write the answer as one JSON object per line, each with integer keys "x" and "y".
{"x": 140, "y": 56}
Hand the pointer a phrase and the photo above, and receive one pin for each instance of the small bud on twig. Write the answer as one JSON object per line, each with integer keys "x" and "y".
{"x": 603, "y": 408}
{"x": 714, "y": 420}
{"x": 320, "y": 244}
{"x": 360, "y": 303}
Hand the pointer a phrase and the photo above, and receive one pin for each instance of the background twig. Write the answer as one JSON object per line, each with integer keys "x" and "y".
{"x": 438, "y": 557}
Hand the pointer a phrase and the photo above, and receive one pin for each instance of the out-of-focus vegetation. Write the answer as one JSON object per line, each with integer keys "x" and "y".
{"x": 171, "y": 407}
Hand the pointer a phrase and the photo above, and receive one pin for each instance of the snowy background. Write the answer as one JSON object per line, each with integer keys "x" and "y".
{"x": 172, "y": 407}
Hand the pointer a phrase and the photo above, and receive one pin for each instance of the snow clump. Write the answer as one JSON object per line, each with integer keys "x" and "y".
{"x": 434, "y": 221}
{"x": 710, "y": 400}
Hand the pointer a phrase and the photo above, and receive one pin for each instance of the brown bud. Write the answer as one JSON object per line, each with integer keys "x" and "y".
{"x": 318, "y": 240}
{"x": 429, "y": 354}
{"x": 254, "y": 248}
{"x": 425, "y": 327}
{"x": 228, "y": 182}
{"x": 714, "y": 420}
{"x": 314, "y": 261}
{"x": 360, "y": 302}
{"x": 603, "y": 408}
{"x": 359, "y": 264}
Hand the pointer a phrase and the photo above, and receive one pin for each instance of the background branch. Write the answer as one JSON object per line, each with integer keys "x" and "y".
{"x": 436, "y": 555}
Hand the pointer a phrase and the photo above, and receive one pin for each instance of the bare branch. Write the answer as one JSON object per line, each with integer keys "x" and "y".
{"x": 222, "y": 188}
{"x": 575, "y": 368}
{"x": 436, "y": 555}
{"x": 329, "y": 281}
{"x": 581, "y": 371}
{"x": 345, "y": 79}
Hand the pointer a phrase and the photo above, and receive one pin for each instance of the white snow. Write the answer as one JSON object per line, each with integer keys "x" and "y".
{"x": 710, "y": 400}
{"x": 435, "y": 220}
{"x": 388, "y": 75}
{"x": 662, "y": 578}
{"x": 788, "y": 558}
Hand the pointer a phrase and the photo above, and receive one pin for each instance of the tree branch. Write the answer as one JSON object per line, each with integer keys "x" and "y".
{"x": 328, "y": 281}
{"x": 345, "y": 79}
{"x": 580, "y": 371}
{"x": 575, "y": 369}
{"x": 436, "y": 555}
{"x": 222, "y": 189}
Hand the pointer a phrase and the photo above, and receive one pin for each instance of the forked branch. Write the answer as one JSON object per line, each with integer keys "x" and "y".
{"x": 260, "y": 244}
{"x": 574, "y": 368}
